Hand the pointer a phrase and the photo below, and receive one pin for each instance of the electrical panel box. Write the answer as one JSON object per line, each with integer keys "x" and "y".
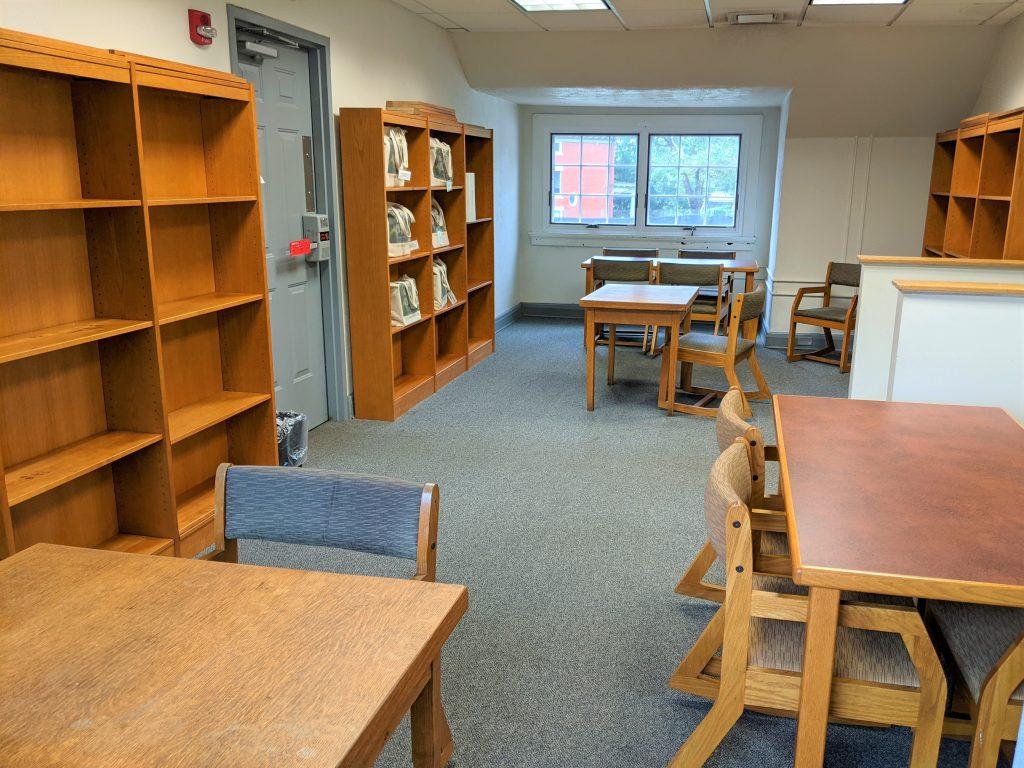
{"x": 317, "y": 229}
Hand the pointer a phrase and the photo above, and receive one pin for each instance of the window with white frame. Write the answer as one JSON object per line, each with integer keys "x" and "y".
{"x": 646, "y": 176}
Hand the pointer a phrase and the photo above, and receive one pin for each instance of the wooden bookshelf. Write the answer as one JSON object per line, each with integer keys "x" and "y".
{"x": 976, "y": 195}
{"x": 134, "y": 335}
{"x": 396, "y": 368}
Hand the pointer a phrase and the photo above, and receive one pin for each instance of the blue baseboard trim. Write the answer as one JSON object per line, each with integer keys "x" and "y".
{"x": 551, "y": 310}
{"x": 506, "y": 318}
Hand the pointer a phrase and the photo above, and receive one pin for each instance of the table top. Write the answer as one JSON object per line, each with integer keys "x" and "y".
{"x": 641, "y": 296}
{"x": 744, "y": 264}
{"x": 904, "y": 498}
{"x": 111, "y": 659}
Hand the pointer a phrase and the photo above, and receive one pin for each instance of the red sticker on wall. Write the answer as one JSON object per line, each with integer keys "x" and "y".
{"x": 299, "y": 247}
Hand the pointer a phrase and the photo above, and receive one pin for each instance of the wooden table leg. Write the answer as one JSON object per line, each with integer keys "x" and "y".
{"x": 588, "y": 288}
{"x": 432, "y": 743}
{"x": 611, "y": 354}
{"x": 588, "y": 322}
{"x": 673, "y": 361}
{"x": 816, "y": 680}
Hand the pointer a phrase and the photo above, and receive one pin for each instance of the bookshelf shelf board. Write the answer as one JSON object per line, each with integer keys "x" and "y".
{"x": 995, "y": 198}
{"x": 407, "y": 382}
{"x": 484, "y": 220}
{"x": 195, "y": 508}
{"x": 445, "y": 188}
{"x": 195, "y": 417}
{"x": 194, "y": 306}
{"x": 395, "y": 329}
{"x": 65, "y": 205}
{"x": 446, "y": 248}
{"x": 407, "y": 257}
{"x": 449, "y": 308}
{"x": 201, "y": 200}
{"x": 43, "y": 340}
{"x": 137, "y": 545}
{"x": 444, "y": 362}
{"x": 475, "y": 344}
{"x": 44, "y": 473}
{"x": 478, "y": 284}
{"x": 406, "y": 188}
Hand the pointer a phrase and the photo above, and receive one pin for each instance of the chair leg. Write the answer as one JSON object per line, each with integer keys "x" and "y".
{"x": 230, "y": 553}
{"x": 992, "y": 708}
{"x": 830, "y": 343}
{"x": 844, "y": 355}
{"x": 734, "y": 381}
{"x": 611, "y": 354}
{"x": 791, "y": 344}
{"x": 431, "y": 736}
{"x": 931, "y": 705}
{"x": 755, "y": 368}
{"x": 692, "y": 583}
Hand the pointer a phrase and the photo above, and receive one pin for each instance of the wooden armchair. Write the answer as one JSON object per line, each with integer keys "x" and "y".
{"x": 886, "y": 673}
{"x": 767, "y": 518}
{"x": 827, "y": 317}
{"x": 622, "y": 266}
{"x": 723, "y": 352}
{"x": 987, "y": 644}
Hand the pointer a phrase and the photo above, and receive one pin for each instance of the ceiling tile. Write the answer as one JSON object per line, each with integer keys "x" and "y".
{"x": 469, "y": 6}
{"x": 494, "y": 22}
{"x": 576, "y": 20}
{"x": 441, "y": 21}
{"x": 950, "y": 13}
{"x": 723, "y": 7}
{"x": 865, "y": 15}
{"x": 413, "y": 5}
{"x": 657, "y": 5}
{"x": 664, "y": 19}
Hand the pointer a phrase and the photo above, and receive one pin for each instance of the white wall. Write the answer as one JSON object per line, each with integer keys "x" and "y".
{"x": 379, "y": 51}
{"x": 552, "y": 274}
{"x": 842, "y": 197}
{"x": 1004, "y": 83}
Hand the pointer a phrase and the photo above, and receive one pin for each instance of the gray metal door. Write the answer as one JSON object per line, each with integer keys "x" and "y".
{"x": 284, "y": 128}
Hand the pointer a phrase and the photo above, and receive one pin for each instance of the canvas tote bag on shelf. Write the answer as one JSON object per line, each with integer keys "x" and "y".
{"x": 400, "y": 221}
{"x": 441, "y": 172}
{"x": 405, "y": 301}
{"x": 443, "y": 293}
{"x": 438, "y": 228}
{"x": 396, "y": 157}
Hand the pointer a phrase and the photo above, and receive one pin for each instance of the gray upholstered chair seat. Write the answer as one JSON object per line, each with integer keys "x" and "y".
{"x": 706, "y": 342}
{"x": 879, "y": 657}
{"x": 978, "y": 636}
{"x": 833, "y": 314}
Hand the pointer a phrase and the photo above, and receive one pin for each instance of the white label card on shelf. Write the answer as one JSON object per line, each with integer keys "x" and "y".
{"x": 405, "y": 175}
{"x": 449, "y": 185}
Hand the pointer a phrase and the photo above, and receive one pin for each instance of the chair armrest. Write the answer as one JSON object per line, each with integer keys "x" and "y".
{"x": 851, "y": 312}
{"x": 806, "y": 290}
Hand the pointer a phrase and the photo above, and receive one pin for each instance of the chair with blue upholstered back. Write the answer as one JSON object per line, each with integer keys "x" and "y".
{"x": 325, "y": 508}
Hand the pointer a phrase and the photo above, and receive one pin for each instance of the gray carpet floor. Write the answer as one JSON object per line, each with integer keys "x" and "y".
{"x": 570, "y": 530}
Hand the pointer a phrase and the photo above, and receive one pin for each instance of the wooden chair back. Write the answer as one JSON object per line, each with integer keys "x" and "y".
{"x": 265, "y": 523}
{"x": 840, "y": 273}
{"x": 716, "y": 255}
{"x": 730, "y": 426}
{"x": 745, "y": 306}
{"x": 669, "y": 273}
{"x": 644, "y": 253}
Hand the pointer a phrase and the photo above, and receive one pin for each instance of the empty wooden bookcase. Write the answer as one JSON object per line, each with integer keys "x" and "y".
{"x": 395, "y": 367}
{"x": 134, "y": 341}
{"x": 976, "y": 198}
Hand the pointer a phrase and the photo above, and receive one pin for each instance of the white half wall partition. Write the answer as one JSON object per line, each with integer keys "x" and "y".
{"x": 940, "y": 331}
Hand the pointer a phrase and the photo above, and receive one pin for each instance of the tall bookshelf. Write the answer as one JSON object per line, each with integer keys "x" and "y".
{"x": 396, "y": 368}
{"x": 976, "y": 196}
{"x": 134, "y": 335}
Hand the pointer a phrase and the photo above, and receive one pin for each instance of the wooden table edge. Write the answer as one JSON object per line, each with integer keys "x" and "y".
{"x": 787, "y": 495}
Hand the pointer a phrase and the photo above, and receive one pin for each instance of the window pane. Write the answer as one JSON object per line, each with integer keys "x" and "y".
{"x": 693, "y": 180}
{"x": 593, "y": 178}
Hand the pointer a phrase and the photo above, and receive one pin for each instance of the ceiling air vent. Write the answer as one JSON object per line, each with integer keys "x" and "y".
{"x": 754, "y": 17}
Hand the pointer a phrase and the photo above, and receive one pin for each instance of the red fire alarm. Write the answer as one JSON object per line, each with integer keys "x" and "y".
{"x": 200, "y": 27}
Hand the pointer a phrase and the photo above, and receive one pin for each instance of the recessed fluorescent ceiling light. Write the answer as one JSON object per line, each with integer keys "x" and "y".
{"x": 858, "y": 2}
{"x": 562, "y": 5}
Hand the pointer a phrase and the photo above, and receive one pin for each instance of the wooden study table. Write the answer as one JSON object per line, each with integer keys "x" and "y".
{"x": 634, "y": 304}
{"x": 112, "y": 659}
{"x": 899, "y": 499}
{"x": 742, "y": 266}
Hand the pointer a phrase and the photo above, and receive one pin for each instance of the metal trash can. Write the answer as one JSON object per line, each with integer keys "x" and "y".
{"x": 292, "y": 438}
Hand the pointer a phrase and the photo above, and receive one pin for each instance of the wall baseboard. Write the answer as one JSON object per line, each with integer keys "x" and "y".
{"x": 552, "y": 310}
{"x": 506, "y": 318}
{"x": 779, "y": 340}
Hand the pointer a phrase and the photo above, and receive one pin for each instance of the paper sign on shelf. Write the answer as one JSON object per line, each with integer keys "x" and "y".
{"x": 405, "y": 175}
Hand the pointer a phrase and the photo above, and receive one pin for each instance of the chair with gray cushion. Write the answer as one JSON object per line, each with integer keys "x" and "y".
{"x": 622, "y": 265}
{"x": 712, "y": 305}
{"x": 723, "y": 352}
{"x": 987, "y": 645}
{"x": 829, "y": 317}
{"x": 750, "y": 655}
{"x": 325, "y": 508}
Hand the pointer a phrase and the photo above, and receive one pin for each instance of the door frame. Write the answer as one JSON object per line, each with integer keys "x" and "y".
{"x": 333, "y": 281}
